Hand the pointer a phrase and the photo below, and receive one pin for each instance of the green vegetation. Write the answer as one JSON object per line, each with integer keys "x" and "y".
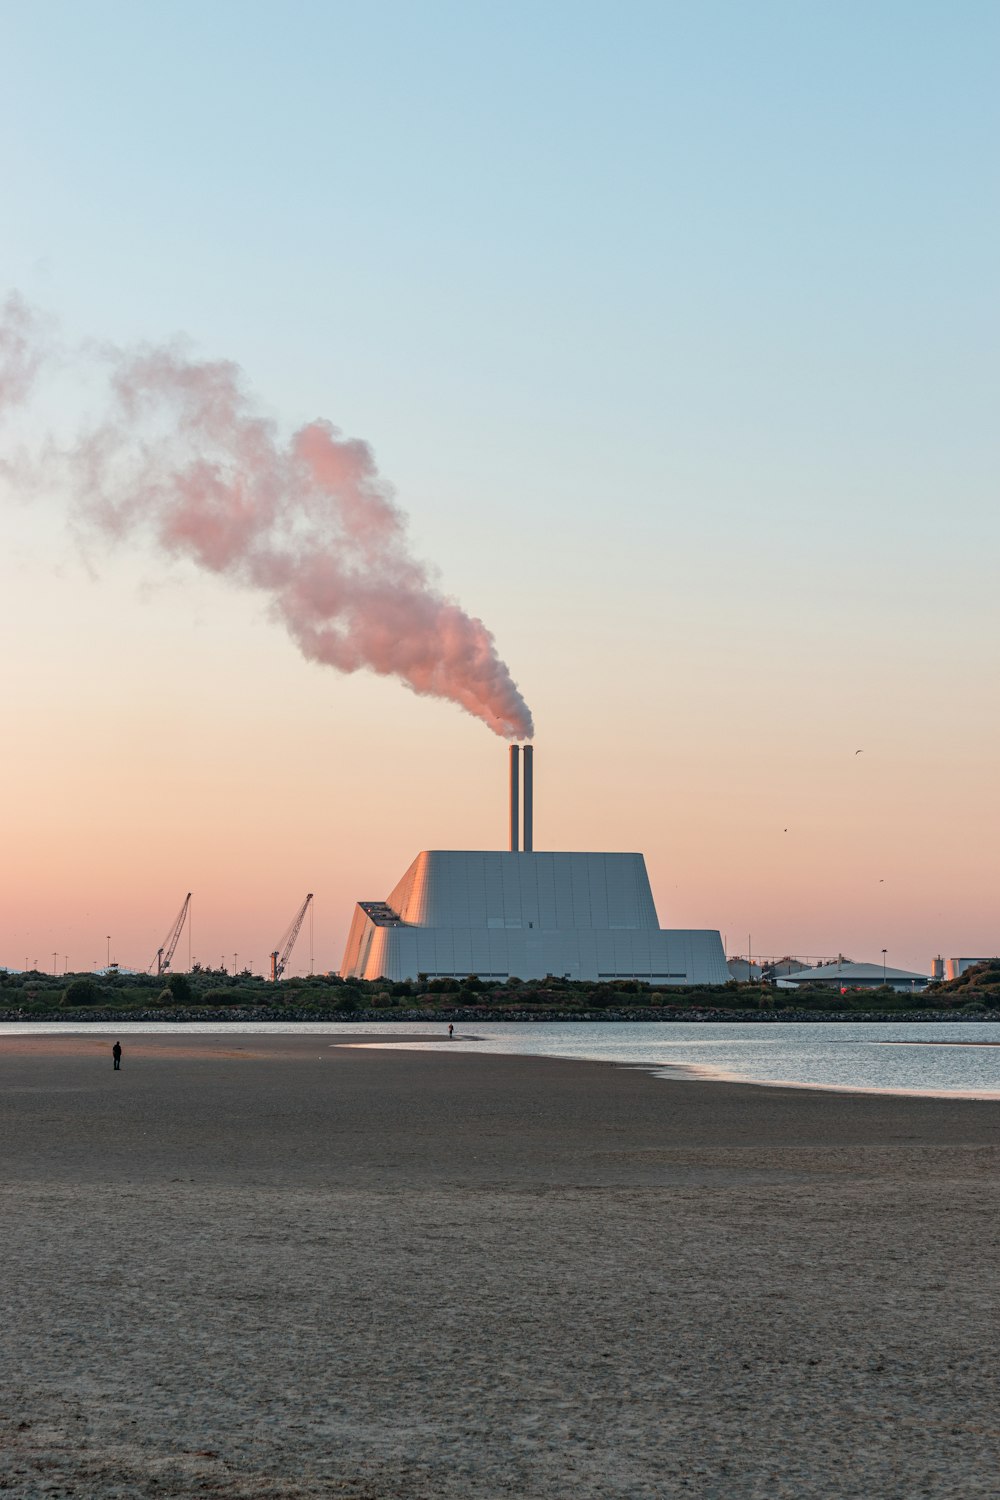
{"x": 180, "y": 989}
{"x": 37, "y": 994}
{"x": 978, "y": 986}
{"x": 82, "y": 992}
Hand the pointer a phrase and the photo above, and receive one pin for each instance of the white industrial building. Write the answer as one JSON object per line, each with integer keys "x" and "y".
{"x": 842, "y": 975}
{"x": 517, "y": 913}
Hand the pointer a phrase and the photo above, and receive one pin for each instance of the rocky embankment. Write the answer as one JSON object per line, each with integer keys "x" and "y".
{"x": 241, "y": 1014}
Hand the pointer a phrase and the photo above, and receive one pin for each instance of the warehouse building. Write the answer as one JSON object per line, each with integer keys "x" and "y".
{"x": 839, "y": 974}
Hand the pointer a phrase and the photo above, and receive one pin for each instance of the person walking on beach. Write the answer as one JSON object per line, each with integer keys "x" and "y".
{"x": 451, "y": 1031}
{"x": 116, "y": 1053}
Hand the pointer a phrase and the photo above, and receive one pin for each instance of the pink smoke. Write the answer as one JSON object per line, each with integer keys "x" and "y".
{"x": 310, "y": 523}
{"x": 21, "y": 350}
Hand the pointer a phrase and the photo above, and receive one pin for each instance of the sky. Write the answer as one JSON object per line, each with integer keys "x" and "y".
{"x": 674, "y": 329}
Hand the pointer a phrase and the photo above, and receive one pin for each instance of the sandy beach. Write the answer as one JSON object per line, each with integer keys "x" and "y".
{"x": 285, "y": 1266}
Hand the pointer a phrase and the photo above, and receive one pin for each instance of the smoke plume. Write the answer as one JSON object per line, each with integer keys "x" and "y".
{"x": 183, "y": 454}
{"x": 21, "y": 351}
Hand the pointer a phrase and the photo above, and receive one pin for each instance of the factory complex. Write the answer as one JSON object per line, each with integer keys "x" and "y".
{"x": 502, "y": 914}
{"x": 521, "y": 914}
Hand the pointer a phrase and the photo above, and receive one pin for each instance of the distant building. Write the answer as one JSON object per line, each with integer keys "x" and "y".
{"x": 780, "y": 968}
{"x": 499, "y": 914}
{"x": 847, "y": 976}
{"x": 505, "y": 914}
{"x": 747, "y": 971}
{"x": 742, "y": 970}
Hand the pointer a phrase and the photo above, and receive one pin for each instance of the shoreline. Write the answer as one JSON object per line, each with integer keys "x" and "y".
{"x": 418, "y": 1056}
{"x": 291, "y": 1266}
{"x": 699, "y": 1073}
{"x": 246, "y": 1045}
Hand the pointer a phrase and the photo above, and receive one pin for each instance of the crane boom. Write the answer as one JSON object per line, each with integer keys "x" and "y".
{"x": 165, "y": 952}
{"x": 280, "y": 959}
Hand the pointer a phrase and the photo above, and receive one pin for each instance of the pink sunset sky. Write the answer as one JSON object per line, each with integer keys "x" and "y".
{"x": 680, "y": 376}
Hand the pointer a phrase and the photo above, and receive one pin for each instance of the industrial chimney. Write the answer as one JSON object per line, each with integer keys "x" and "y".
{"x": 528, "y": 841}
{"x": 515, "y": 809}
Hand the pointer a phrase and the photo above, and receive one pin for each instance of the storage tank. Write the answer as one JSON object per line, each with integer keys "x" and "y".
{"x": 937, "y": 967}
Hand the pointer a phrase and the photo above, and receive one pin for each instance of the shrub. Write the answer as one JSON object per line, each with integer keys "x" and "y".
{"x": 135, "y": 994}
{"x": 219, "y": 997}
{"x": 81, "y": 992}
{"x": 179, "y": 986}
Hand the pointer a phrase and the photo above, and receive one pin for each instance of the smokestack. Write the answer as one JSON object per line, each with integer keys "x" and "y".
{"x": 515, "y": 810}
{"x": 528, "y": 843}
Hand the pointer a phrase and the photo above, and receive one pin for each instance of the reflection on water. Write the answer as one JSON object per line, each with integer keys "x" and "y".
{"x": 837, "y": 1055}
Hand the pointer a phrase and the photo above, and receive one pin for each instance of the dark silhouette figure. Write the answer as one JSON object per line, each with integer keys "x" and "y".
{"x": 451, "y": 1031}
{"x": 116, "y": 1053}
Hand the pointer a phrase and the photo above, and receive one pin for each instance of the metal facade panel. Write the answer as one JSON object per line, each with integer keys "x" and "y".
{"x": 511, "y": 892}
{"x": 462, "y": 961}
{"x": 667, "y": 957}
{"x": 528, "y": 876}
{"x": 590, "y": 915}
{"x": 563, "y": 886}
{"x": 379, "y": 957}
{"x": 402, "y": 898}
{"x": 599, "y": 892}
{"x": 579, "y": 875}
{"x": 495, "y": 915}
{"x": 545, "y": 874}
{"x": 360, "y": 922}
{"x": 480, "y": 961}
{"x": 623, "y": 905}
{"x": 461, "y": 888}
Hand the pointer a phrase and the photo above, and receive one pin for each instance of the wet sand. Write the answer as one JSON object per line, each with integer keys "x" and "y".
{"x": 284, "y": 1266}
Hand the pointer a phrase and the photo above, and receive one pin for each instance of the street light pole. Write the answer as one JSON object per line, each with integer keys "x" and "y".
{"x": 883, "y": 965}
{"x": 109, "y": 950}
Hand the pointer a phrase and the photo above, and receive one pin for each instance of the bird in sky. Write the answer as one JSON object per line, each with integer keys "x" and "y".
{"x": 859, "y": 752}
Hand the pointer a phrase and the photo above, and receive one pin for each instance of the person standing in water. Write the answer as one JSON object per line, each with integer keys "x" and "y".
{"x": 451, "y": 1031}
{"x": 116, "y": 1053}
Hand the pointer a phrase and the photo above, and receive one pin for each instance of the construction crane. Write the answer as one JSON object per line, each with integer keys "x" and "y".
{"x": 165, "y": 952}
{"x": 280, "y": 959}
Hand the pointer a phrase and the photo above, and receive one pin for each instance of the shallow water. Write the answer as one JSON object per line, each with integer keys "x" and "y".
{"x": 913, "y": 1058}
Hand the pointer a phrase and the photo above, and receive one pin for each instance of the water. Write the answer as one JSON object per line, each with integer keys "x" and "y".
{"x": 890, "y": 1057}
